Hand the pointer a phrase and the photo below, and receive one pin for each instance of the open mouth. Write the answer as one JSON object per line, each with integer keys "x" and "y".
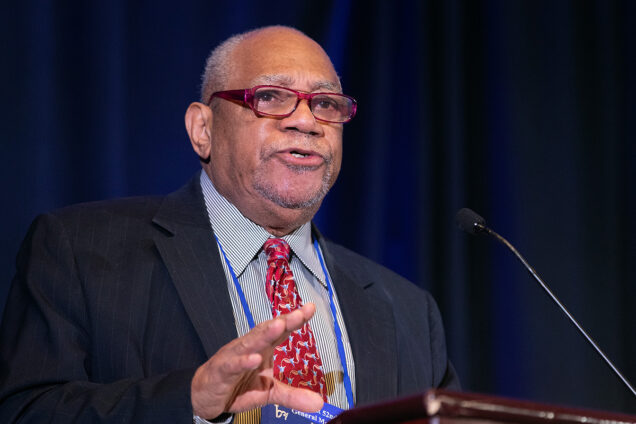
{"x": 298, "y": 154}
{"x": 300, "y": 157}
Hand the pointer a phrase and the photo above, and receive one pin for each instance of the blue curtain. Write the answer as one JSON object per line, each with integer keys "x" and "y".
{"x": 521, "y": 110}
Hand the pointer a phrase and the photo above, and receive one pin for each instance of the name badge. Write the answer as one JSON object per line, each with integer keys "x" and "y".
{"x": 275, "y": 414}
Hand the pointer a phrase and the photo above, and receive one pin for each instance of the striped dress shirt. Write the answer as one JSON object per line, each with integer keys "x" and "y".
{"x": 242, "y": 241}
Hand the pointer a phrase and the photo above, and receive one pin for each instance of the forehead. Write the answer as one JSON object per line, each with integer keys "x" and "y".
{"x": 282, "y": 58}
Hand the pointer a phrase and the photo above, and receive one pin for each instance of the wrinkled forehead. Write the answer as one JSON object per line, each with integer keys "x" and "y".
{"x": 282, "y": 58}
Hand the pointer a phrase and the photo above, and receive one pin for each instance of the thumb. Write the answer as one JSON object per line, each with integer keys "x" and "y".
{"x": 297, "y": 398}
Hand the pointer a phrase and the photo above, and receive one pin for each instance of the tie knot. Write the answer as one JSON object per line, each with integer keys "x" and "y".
{"x": 276, "y": 248}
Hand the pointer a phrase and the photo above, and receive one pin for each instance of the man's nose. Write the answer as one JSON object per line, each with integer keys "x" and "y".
{"x": 302, "y": 119}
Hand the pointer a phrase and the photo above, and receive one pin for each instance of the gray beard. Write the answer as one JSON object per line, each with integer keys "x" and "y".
{"x": 268, "y": 190}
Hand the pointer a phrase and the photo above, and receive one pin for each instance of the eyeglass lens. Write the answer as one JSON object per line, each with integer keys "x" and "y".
{"x": 279, "y": 101}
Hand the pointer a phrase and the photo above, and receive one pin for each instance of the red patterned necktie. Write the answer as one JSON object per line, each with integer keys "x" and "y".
{"x": 296, "y": 360}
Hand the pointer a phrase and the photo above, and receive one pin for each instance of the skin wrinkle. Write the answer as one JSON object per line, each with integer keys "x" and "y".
{"x": 288, "y": 82}
{"x": 263, "y": 185}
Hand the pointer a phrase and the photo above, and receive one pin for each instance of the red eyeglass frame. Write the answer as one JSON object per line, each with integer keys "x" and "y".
{"x": 246, "y": 97}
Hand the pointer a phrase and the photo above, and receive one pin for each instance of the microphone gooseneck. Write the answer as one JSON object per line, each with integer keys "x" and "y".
{"x": 469, "y": 221}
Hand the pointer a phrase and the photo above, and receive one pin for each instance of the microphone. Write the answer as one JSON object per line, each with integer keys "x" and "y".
{"x": 469, "y": 221}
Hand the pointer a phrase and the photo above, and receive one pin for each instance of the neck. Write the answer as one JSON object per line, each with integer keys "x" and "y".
{"x": 275, "y": 219}
{"x": 280, "y": 232}
{"x": 278, "y": 222}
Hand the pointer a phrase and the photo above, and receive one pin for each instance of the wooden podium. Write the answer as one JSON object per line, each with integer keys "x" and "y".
{"x": 445, "y": 407}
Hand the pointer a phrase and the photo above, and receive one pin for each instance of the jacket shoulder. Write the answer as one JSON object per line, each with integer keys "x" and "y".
{"x": 131, "y": 207}
{"x": 361, "y": 268}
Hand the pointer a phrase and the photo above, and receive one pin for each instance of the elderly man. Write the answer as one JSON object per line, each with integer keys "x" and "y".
{"x": 221, "y": 297}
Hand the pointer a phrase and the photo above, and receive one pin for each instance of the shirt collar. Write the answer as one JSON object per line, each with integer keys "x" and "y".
{"x": 242, "y": 239}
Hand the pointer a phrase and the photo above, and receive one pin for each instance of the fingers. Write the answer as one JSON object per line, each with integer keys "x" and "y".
{"x": 270, "y": 334}
{"x": 295, "y": 398}
{"x": 218, "y": 382}
{"x": 239, "y": 364}
{"x": 299, "y": 317}
{"x": 238, "y": 376}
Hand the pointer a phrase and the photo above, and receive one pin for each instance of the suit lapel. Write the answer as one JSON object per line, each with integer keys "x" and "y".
{"x": 186, "y": 244}
{"x": 370, "y": 326}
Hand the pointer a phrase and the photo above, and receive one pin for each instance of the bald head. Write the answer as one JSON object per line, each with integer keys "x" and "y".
{"x": 248, "y": 49}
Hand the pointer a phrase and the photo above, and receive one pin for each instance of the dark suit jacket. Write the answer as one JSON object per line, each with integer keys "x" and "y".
{"x": 115, "y": 304}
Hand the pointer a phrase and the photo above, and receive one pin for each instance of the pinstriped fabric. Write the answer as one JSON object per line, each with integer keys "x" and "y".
{"x": 242, "y": 241}
{"x": 248, "y": 417}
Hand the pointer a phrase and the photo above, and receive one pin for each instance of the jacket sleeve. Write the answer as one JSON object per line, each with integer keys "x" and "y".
{"x": 444, "y": 374}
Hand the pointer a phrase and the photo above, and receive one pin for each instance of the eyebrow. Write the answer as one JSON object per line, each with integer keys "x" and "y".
{"x": 287, "y": 81}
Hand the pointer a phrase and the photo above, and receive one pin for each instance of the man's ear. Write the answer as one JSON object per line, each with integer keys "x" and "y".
{"x": 198, "y": 122}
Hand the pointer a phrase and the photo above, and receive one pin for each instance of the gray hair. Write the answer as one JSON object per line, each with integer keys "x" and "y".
{"x": 218, "y": 66}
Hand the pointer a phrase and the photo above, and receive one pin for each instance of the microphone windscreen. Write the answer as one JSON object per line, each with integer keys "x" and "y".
{"x": 469, "y": 221}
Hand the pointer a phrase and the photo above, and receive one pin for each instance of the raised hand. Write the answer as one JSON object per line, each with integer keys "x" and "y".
{"x": 239, "y": 376}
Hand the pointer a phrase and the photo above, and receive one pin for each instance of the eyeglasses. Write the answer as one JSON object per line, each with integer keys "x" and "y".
{"x": 280, "y": 102}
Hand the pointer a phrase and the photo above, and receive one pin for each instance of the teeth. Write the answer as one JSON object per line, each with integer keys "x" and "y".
{"x": 298, "y": 155}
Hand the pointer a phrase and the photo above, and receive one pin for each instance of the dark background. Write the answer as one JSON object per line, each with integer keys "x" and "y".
{"x": 522, "y": 110}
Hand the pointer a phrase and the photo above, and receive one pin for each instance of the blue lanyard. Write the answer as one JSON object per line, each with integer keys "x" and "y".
{"x": 246, "y": 308}
{"x": 341, "y": 351}
{"x": 332, "y": 305}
